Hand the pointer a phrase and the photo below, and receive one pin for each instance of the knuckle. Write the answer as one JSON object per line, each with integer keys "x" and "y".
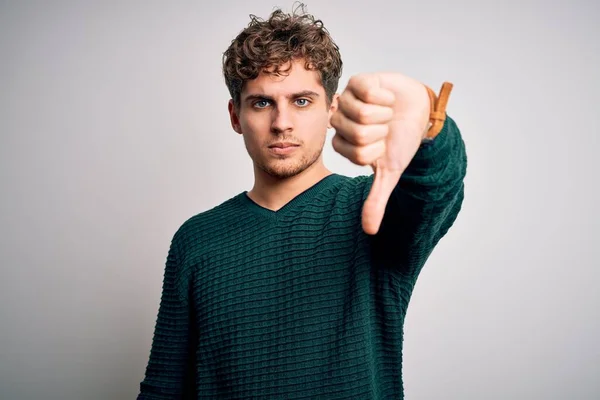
{"x": 360, "y": 136}
{"x": 371, "y": 94}
{"x": 335, "y": 142}
{"x": 343, "y": 102}
{"x": 368, "y": 95}
{"x": 380, "y": 131}
{"x": 360, "y": 157}
{"x": 348, "y": 101}
{"x": 357, "y": 83}
{"x": 356, "y": 157}
{"x": 363, "y": 115}
{"x": 334, "y": 120}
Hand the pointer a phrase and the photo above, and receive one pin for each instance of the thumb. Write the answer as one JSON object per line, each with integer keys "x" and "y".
{"x": 384, "y": 182}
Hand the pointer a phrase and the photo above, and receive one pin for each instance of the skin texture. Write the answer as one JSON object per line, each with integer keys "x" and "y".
{"x": 269, "y": 113}
{"x": 380, "y": 120}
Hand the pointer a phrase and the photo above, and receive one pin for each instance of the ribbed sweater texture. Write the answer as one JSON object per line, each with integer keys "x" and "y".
{"x": 300, "y": 303}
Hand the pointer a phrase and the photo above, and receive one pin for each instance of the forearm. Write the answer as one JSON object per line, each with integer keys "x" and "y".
{"x": 426, "y": 201}
{"x": 438, "y": 168}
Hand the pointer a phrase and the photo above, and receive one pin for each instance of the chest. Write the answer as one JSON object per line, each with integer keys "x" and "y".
{"x": 279, "y": 284}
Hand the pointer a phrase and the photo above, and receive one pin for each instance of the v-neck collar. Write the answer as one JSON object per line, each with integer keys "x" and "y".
{"x": 297, "y": 201}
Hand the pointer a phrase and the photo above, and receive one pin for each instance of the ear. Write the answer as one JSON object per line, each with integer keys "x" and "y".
{"x": 333, "y": 108}
{"x": 234, "y": 117}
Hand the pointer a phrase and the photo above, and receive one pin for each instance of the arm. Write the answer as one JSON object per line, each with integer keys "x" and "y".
{"x": 425, "y": 202}
{"x": 170, "y": 369}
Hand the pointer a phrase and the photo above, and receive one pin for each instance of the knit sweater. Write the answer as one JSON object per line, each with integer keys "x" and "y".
{"x": 300, "y": 303}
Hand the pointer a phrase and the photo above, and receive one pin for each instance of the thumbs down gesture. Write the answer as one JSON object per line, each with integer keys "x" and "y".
{"x": 381, "y": 120}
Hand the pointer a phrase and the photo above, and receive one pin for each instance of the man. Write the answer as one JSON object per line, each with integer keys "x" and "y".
{"x": 299, "y": 287}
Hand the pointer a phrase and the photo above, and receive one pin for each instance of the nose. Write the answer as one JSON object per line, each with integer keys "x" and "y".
{"x": 282, "y": 120}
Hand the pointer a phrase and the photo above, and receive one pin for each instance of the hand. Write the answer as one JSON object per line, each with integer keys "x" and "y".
{"x": 380, "y": 121}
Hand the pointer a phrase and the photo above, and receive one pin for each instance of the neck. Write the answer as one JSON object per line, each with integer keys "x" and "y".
{"x": 273, "y": 193}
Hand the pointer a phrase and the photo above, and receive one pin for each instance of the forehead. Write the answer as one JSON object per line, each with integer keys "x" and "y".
{"x": 297, "y": 79}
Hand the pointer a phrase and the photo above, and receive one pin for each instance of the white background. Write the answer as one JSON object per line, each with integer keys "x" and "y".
{"x": 114, "y": 130}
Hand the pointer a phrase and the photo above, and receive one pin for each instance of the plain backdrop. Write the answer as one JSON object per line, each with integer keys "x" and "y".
{"x": 114, "y": 130}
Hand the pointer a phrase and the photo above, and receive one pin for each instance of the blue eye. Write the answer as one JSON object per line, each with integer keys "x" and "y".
{"x": 304, "y": 103}
{"x": 261, "y": 104}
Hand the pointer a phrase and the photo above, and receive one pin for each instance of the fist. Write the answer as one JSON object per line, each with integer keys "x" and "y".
{"x": 380, "y": 121}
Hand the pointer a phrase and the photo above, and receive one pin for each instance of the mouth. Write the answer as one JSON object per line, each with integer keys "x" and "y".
{"x": 283, "y": 145}
{"x": 283, "y": 148}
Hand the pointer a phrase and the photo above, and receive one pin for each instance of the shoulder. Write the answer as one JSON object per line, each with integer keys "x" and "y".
{"x": 197, "y": 231}
{"x": 354, "y": 188}
{"x": 343, "y": 196}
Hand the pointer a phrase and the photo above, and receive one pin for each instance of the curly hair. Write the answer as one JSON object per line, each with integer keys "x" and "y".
{"x": 268, "y": 45}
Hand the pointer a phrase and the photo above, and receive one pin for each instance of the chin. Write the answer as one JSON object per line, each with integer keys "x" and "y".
{"x": 284, "y": 170}
{"x": 287, "y": 166}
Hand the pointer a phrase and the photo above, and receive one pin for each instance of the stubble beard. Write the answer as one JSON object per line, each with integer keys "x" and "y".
{"x": 284, "y": 167}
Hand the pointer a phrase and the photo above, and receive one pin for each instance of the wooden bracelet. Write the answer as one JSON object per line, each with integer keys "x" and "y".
{"x": 437, "y": 115}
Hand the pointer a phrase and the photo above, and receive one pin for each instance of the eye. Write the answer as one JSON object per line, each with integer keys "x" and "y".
{"x": 261, "y": 104}
{"x": 302, "y": 102}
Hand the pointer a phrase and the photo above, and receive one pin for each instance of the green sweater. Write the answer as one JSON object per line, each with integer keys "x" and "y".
{"x": 300, "y": 302}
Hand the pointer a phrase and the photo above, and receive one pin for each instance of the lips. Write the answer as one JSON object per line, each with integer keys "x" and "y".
{"x": 283, "y": 145}
{"x": 283, "y": 148}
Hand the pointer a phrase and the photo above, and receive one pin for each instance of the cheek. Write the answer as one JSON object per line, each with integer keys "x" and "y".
{"x": 255, "y": 123}
{"x": 254, "y": 133}
{"x": 317, "y": 122}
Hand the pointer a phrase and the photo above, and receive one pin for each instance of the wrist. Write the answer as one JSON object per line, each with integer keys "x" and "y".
{"x": 425, "y": 138}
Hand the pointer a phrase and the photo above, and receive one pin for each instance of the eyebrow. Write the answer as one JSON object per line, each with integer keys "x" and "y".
{"x": 304, "y": 93}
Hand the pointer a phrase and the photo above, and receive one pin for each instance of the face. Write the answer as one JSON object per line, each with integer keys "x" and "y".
{"x": 284, "y": 109}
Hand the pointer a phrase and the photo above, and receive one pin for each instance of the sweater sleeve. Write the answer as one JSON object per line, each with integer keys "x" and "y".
{"x": 425, "y": 202}
{"x": 169, "y": 372}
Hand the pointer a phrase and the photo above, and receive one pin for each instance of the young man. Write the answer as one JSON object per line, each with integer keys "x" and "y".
{"x": 299, "y": 287}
